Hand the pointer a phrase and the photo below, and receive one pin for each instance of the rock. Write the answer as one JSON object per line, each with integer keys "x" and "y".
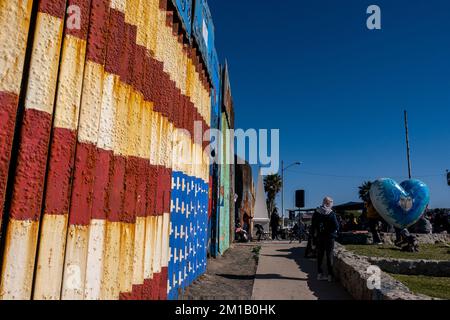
{"x": 352, "y": 271}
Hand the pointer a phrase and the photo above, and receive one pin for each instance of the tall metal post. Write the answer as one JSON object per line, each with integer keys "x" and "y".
{"x": 407, "y": 145}
{"x": 282, "y": 192}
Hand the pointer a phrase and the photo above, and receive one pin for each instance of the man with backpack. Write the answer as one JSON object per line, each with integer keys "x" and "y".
{"x": 325, "y": 228}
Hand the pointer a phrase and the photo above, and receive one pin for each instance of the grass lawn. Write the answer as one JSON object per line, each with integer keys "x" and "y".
{"x": 426, "y": 251}
{"x": 437, "y": 287}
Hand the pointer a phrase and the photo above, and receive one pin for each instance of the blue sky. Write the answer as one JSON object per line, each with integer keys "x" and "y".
{"x": 337, "y": 90}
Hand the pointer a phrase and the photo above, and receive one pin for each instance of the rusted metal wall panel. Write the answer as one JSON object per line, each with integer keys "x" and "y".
{"x": 26, "y": 202}
{"x": 53, "y": 231}
{"x": 224, "y": 196}
{"x": 14, "y": 25}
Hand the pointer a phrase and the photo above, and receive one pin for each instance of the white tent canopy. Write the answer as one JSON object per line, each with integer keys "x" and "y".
{"x": 261, "y": 213}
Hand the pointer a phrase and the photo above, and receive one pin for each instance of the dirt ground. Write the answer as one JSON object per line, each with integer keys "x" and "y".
{"x": 229, "y": 277}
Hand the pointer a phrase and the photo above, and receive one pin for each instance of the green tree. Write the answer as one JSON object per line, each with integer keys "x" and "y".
{"x": 272, "y": 186}
{"x": 364, "y": 190}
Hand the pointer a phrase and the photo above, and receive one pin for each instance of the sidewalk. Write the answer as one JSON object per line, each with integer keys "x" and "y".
{"x": 227, "y": 278}
{"x": 283, "y": 274}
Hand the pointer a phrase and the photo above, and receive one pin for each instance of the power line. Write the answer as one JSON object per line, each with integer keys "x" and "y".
{"x": 361, "y": 177}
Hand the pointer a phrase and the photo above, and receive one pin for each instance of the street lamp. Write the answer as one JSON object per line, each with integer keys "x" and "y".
{"x": 282, "y": 183}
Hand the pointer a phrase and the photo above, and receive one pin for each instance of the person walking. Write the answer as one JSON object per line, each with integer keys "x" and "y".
{"x": 325, "y": 228}
{"x": 274, "y": 222}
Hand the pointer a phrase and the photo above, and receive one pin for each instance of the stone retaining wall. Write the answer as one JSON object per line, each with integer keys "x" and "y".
{"x": 389, "y": 238}
{"x": 432, "y": 268}
{"x": 352, "y": 271}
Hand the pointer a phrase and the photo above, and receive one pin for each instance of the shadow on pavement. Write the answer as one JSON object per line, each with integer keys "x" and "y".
{"x": 323, "y": 290}
{"x": 235, "y": 276}
{"x": 260, "y": 276}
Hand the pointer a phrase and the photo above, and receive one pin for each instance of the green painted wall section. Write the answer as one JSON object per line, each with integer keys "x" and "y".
{"x": 224, "y": 197}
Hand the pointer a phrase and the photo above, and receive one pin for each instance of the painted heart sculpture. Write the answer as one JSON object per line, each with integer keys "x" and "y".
{"x": 401, "y": 205}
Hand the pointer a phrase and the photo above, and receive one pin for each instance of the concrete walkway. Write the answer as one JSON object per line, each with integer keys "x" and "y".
{"x": 284, "y": 274}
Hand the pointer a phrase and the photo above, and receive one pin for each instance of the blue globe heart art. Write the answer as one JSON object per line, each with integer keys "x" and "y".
{"x": 401, "y": 205}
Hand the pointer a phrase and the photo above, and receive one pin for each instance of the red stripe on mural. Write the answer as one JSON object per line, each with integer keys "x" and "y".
{"x": 128, "y": 52}
{"x": 138, "y": 74}
{"x": 152, "y": 180}
{"x": 116, "y": 190}
{"x": 156, "y": 284}
{"x": 130, "y": 196}
{"x": 126, "y": 297}
{"x": 116, "y": 42}
{"x": 83, "y": 184}
{"x": 141, "y": 187}
{"x": 31, "y": 165}
{"x": 133, "y": 295}
{"x": 60, "y": 170}
{"x": 163, "y": 5}
{"x": 151, "y": 289}
{"x": 146, "y": 290}
{"x": 98, "y": 31}
{"x": 77, "y": 19}
{"x": 155, "y": 84}
{"x": 163, "y": 190}
{"x": 166, "y": 185}
{"x": 138, "y": 292}
{"x": 163, "y": 284}
{"x": 8, "y": 110}
{"x": 101, "y": 184}
{"x": 54, "y": 8}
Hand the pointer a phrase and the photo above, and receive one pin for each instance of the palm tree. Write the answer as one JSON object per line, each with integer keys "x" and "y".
{"x": 272, "y": 186}
{"x": 364, "y": 190}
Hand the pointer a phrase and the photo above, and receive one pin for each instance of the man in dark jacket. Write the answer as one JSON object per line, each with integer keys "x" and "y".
{"x": 274, "y": 222}
{"x": 325, "y": 228}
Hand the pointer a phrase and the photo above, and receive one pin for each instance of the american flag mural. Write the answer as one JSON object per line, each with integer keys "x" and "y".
{"x": 93, "y": 103}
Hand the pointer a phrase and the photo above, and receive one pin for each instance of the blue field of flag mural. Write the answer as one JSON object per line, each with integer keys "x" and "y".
{"x": 188, "y": 232}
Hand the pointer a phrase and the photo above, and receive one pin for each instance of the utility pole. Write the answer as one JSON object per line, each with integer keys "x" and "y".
{"x": 407, "y": 145}
{"x": 282, "y": 184}
{"x": 282, "y": 192}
